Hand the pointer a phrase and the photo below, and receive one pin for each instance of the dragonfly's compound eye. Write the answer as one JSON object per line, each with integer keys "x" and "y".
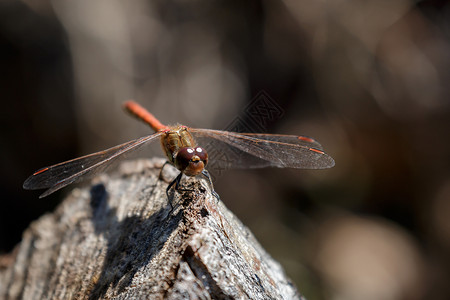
{"x": 202, "y": 154}
{"x": 191, "y": 161}
{"x": 183, "y": 157}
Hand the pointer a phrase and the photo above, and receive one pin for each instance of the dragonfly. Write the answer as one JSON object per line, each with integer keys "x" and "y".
{"x": 179, "y": 143}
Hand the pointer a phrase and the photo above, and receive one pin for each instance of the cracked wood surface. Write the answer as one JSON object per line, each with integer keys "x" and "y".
{"x": 118, "y": 239}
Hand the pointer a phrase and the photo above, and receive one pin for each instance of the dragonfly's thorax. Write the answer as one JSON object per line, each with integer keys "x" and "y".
{"x": 175, "y": 139}
{"x": 182, "y": 151}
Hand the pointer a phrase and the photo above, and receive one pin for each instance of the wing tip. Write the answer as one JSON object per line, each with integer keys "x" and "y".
{"x": 325, "y": 162}
{"x": 26, "y": 184}
{"x": 50, "y": 191}
{"x": 332, "y": 163}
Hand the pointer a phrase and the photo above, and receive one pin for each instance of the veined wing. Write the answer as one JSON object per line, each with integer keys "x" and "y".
{"x": 289, "y": 139}
{"x": 249, "y": 150}
{"x": 58, "y": 176}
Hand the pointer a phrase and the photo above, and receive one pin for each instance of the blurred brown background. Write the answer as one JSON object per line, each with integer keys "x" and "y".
{"x": 370, "y": 80}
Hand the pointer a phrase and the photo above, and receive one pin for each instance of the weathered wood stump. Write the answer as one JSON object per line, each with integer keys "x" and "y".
{"x": 119, "y": 239}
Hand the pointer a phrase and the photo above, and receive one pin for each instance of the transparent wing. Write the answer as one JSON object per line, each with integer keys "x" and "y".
{"x": 58, "y": 176}
{"x": 288, "y": 139}
{"x": 248, "y": 150}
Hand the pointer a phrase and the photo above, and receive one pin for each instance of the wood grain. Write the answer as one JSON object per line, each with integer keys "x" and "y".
{"x": 118, "y": 239}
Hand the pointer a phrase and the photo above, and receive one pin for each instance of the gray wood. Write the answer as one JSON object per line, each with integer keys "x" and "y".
{"x": 118, "y": 239}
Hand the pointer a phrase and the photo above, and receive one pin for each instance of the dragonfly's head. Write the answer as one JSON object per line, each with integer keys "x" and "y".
{"x": 191, "y": 161}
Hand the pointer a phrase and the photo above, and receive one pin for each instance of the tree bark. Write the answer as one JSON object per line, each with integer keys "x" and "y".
{"x": 120, "y": 239}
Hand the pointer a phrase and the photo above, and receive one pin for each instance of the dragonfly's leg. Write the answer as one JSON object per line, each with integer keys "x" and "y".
{"x": 176, "y": 181}
{"x": 178, "y": 187}
{"x": 206, "y": 174}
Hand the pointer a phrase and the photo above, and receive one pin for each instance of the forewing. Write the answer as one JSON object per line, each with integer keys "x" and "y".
{"x": 288, "y": 139}
{"x": 58, "y": 176}
{"x": 247, "y": 150}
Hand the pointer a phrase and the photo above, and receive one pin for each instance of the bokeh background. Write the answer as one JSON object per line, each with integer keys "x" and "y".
{"x": 369, "y": 79}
